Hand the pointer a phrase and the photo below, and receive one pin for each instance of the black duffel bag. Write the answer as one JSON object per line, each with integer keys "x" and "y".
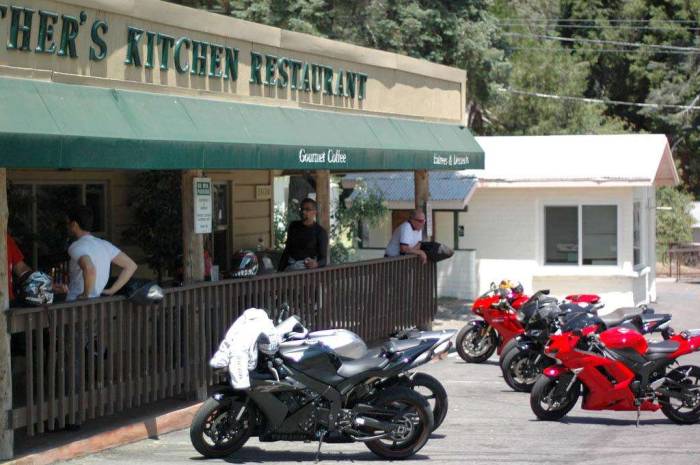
{"x": 436, "y": 251}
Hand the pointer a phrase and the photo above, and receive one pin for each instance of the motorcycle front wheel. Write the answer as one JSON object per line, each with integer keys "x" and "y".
{"x": 506, "y": 348}
{"x": 434, "y": 392}
{"x": 521, "y": 368}
{"x": 411, "y": 414}
{"x": 684, "y": 407}
{"x": 215, "y": 432}
{"x": 548, "y": 404}
{"x": 475, "y": 344}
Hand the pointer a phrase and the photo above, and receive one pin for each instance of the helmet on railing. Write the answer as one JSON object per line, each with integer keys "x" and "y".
{"x": 37, "y": 289}
{"x": 245, "y": 264}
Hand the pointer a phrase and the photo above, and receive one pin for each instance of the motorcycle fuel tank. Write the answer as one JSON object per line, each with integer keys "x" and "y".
{"x": 344, "y": 343}
{"x": 624, "y": 338}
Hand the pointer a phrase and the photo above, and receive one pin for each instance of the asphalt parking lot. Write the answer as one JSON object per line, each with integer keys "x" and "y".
{"x": 487, "y": 423}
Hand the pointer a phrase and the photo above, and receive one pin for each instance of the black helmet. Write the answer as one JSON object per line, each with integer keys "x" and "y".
{"x": 148, "y": 294}
{"x": 245, "y": 264}
{"x": 517, "y": 287}
{"x": 37, "y": 289}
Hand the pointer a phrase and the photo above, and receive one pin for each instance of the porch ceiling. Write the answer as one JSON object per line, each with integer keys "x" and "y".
{"x": 53, "y": 125}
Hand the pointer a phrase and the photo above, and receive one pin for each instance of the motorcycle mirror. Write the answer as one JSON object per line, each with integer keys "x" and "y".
{"x": 493, "y": 286}
{"x": 284, "y": 311}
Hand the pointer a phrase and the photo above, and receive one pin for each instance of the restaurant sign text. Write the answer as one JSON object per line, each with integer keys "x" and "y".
{"x": 52, "y": 33}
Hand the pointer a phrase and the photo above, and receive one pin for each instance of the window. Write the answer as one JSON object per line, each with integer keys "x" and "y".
{"x": 593, "y": 242}
{"x": 637, "y": 233}
{"x": 599, "y": 235}
{"x": 37, "y": 217}
{"x": 561, "y": 235}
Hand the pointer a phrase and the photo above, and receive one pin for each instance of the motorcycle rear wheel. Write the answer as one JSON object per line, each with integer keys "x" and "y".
{"x": 212, "y": 425}
{"x": 474, "y": 346}
{"x": 411, "y": 411}
{"x": 436, "y": 395}
{"x": 555, "y": 409}
{"x": 686, "y": 411}
{"x": 519, "y": 369}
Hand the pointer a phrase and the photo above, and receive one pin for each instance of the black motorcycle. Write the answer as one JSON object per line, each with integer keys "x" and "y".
{"x": 306, "y": 392}
{"x": 524, "y": 360}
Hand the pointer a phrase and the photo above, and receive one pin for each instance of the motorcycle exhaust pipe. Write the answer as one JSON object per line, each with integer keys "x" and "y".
{"x": 372, "y": 423}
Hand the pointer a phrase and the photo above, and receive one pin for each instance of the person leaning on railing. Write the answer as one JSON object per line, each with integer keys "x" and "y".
{"x": 91, "y": 258}
{"x": 406, "y": 239}
{"x": 307, "y": 241}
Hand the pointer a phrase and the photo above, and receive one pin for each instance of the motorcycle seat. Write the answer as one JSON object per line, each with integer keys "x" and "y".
{"x": 663, "y": 347}
{"x": 351, "y": 368}
{"x": 399, "y": 345}
{"x": 620, "y": 315}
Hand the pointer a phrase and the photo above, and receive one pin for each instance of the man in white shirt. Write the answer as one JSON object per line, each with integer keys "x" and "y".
{"x": 91, "y": 258}
{"x": 407, "y": 237}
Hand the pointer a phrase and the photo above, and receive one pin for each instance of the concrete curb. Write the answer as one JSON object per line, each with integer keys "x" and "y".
{"x": 144, "y": 429}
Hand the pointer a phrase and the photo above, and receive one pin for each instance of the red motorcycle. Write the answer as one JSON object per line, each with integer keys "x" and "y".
{"x": 618, "y": 370}
{"x": 498, "y": 323}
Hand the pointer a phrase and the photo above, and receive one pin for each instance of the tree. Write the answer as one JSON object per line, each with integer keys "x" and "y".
{"x": 367, "y": 207}
{"x": 673, "y": 226}
{"x": 155, "y": 202}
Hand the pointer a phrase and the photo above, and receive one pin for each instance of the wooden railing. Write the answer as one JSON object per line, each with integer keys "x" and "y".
{"x": 94, "y": 358}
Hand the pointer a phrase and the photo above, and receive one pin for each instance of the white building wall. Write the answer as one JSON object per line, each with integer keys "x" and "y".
{"x": 506, "y": 228}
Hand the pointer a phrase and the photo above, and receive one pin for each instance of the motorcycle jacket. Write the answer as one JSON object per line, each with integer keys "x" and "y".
{"x": 239, "y": 350}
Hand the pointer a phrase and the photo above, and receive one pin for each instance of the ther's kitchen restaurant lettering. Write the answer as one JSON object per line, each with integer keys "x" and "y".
{"x": 48, "y": 32}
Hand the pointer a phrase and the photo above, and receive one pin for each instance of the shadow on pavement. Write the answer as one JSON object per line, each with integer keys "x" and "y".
{"x": 611, "y": 421}
{"x": 258, "y": 455}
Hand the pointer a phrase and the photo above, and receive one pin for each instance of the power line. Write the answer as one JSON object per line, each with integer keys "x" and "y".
{"x": 602, "y": 27}
{"x": 600, "y": 41}
{"x": 601, "y": 101}
{"x": 592, "y": 20}
{"x": 599, "y": 50}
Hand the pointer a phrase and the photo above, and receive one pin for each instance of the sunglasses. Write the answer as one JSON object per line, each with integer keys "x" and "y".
{"x": 418, "y": 221}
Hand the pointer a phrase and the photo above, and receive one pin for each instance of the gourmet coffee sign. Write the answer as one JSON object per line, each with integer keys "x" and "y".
{"x": 39, "y": 31}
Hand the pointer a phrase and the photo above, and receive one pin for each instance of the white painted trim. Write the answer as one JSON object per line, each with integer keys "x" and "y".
{"x": 540, "y": 231}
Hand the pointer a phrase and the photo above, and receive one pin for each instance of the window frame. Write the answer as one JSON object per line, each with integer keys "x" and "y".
{"x": 638, "y": 211}
{"x": 33, "y": 184}
{"x": 579, "y": 206}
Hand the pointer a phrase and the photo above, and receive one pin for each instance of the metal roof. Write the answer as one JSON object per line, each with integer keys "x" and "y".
{"x": 447, "y": 186}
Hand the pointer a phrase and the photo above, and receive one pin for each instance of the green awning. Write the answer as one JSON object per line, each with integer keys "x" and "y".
{"x": 52, "y": 125}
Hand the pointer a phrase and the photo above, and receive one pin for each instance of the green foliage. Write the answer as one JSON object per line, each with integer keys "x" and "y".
{"x": 367, "y": 207}
{"x": 155, "y": 203}
{"x": 281, "y": 219}
{"x": 673, "y": 226}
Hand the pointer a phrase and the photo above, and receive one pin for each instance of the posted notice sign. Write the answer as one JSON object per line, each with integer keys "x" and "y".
{"x": 202, "y": 205}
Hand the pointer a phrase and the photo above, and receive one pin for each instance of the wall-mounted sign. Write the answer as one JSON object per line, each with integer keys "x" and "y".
{"x": 51, "y": 33}
{"x": 263, "y": 192}
{"x": 202, "y": 205}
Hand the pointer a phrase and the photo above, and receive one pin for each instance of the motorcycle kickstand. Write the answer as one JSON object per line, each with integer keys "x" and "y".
{"x": 321, "y": 437}
{"x": 639, "y": 412}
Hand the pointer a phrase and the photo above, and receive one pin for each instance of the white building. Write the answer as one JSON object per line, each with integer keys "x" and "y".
{"x": 566, "y": 213}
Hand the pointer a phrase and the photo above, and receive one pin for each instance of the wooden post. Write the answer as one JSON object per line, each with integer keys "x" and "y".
{"x": 422, "y": 193}
{"x": 323, "y": 199}
{"x": 421, "y": 188}
{"x": 192, "y": 244}
{"x": 6, "y": 432}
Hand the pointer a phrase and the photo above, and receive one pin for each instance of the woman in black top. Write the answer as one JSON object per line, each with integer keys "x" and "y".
{"x": 307, "y": 241}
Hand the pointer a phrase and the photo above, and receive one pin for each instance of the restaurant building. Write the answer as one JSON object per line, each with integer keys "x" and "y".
{"x": 94, "y": 91}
